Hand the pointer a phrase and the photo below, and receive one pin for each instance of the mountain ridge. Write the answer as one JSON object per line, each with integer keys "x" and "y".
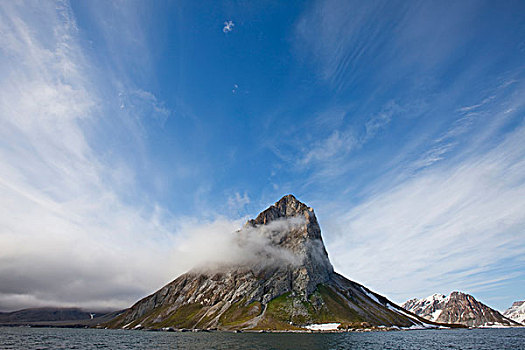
{"x": 56, "y": 317}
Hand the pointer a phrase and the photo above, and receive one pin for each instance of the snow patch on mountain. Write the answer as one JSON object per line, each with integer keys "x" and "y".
{"x": 370, "y": 295}
{"x": 516, "y": 312}
{"x": 434, "y": 316}
{"x": 323, "y": 326}
{"x": 430, "y": 307}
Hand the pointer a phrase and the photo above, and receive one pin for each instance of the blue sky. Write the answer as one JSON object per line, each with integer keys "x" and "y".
{"x": 134, "y": 133}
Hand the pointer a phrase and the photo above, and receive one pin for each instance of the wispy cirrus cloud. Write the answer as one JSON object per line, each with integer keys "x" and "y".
{"x": 422, "y": 188}
{"x": 450, "y": 226}
{"x": 326, "y": 154}
{"x": 144, "y": 103}
{"x": 335, "y": 146}
{"x": 338, "y": 39}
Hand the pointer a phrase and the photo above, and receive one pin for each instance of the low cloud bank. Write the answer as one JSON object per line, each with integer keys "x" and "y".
{"x": 216, "y": 246}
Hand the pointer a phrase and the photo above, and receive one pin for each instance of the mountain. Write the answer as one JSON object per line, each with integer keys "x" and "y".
{"x": 44, "y": 314}
{"x": 284, "y": 281}
{"x": 516, "y": 312}
{"x": 55, "y": 316}
{"x": 457, "y": 308}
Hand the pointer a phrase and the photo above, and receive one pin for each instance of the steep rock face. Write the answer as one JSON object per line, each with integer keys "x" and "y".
{"x": 288, "y": 284}
{"x": 457, "y": 308}
{"x": 303, "y": 240}
{"x": 516, "y": 312}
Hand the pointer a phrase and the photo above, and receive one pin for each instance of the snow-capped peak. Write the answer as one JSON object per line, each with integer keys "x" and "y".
{"x": 434, "y": 298}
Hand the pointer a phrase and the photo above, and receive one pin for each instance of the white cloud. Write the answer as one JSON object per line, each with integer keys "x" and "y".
{"x": 335, "y": 146}
{"x": 228, "y": 26}
{"x": 329, "y": 155}
{"x": 379, "y": 121}
{"x": 342, "y": 37}
{"x": 468, "y": 109}
{"x": 238, "y": 201}
{"x": 221, "y": 243}
{"x": 144, "y": 103}
{"x": 331, "y": 34}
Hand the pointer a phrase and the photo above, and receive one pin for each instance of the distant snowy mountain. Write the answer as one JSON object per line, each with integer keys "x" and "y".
{"x": 516, "y": 312}
{"x": 429, "y": 308}
{"x": 457, "y": 308}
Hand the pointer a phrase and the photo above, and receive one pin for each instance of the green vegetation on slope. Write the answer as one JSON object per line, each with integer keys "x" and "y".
{"x": 239, "y": 313}
{"x": 185, "y": 316}
{"x": 293, "y": 311}
{"x": 335, "y": 308}
{"x": 287, "y": 311}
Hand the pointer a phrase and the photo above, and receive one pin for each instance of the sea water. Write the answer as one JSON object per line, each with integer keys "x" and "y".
{"x": 70, "y": 338}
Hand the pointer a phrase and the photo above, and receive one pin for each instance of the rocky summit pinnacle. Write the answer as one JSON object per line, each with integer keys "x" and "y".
{"x": 303, "y": 239}
{"x": 288, "y": 206}
{"x": 287, "y": 283}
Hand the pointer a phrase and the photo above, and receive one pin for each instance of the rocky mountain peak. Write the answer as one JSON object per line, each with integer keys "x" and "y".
{"x": 292, "y": 225}
{"x": 458, "y": 308}
{"x": 287, "y": 282}
{"x": 289, "y": 207}
{"x": 456, "y": 294}
{"x": 286, "y": 207}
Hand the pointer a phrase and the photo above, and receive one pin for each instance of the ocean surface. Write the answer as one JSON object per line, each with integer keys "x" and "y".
{"x": 64, "y": 338}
